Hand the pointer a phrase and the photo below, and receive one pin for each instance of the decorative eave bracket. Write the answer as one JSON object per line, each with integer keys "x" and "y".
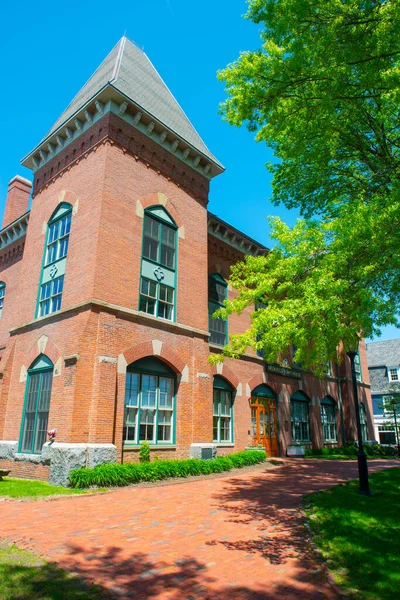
{"x": 14, "y": 231}
{"x": 111, "y": 100}
{"x": 233, "y": 237}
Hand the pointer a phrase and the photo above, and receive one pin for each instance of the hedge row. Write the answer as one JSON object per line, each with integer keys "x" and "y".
{"x": 351, "y": 449}
{"x": 112, "y": 474}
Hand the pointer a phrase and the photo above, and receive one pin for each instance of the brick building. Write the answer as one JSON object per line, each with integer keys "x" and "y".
{"x": 384, "y": 373}
{"x": 107, "y": 285}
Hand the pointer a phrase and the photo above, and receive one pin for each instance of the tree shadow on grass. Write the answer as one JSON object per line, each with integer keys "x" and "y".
{"x": 138, "y": 576}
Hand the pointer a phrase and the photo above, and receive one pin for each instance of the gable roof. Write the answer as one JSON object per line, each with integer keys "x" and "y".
{"x": 383, "y": 354}
{"x": 129, "y": 71}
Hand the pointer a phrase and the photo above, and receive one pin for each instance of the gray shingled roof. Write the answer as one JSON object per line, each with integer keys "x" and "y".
{"x": 129, "y": 70}
{"x": 383, "y": 353}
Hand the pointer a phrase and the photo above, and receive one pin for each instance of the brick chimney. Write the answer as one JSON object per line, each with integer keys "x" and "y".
{"x": 19, "y": 190}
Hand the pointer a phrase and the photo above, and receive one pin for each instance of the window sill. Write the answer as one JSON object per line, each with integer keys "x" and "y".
{"x": 223, "y": 445}
{"x": 302, "y": 443}
{"x": 135, "y": 447}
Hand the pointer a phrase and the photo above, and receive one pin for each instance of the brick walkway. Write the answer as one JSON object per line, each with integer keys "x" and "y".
{"x": 237, "y": 537}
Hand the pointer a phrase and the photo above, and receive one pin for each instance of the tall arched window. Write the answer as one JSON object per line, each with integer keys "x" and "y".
{"x": 300, "y": 417}
{"x": 2, "y": 294}
{"x": 36, "y": 406}
{"x": 54, "y": 261}
{"x": 217, "y": 293}
{"x": 159, "y": 260}
{"x": 363, "y": 421}
{"x": 222, "y": 411}
{"x": 328, "y": 419}
{"x": 149, "y": 403}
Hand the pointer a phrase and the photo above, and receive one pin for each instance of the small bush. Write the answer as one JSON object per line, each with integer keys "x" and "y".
{"x": 117, "y": 475}
{"x": 144, "y": 452}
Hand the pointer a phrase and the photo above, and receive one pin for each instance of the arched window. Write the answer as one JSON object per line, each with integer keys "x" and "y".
{"x": 300, "y": 417}
{"x": 328, "y": 419}
{"x": 217, "y": 293}
{"x": 159, "y": 260}
{"x": 222, "y": 411}
{"x": 363, "y": 421}
{"x": 2, "y": 294}
{"x": 36, "y": 406}
{"x": 149, "y": 402}
{"x": 55, "y": 260}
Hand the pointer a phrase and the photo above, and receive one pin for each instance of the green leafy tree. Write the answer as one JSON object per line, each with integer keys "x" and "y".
{"x": 323, "y": 92}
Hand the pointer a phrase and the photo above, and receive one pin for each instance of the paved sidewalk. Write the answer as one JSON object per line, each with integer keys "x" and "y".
{"x": 236, "y": 537}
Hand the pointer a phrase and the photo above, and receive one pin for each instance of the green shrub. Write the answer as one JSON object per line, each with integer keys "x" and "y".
{"x": 113, "y": 475}
{"x": 350, "y": 449}
{"x": 144, "y": 452}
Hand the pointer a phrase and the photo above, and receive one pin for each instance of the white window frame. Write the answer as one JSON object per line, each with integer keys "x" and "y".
{"x": 389, "y": 371}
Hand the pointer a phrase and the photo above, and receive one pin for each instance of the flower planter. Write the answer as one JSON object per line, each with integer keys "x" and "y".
{"x": 295, "y": 450}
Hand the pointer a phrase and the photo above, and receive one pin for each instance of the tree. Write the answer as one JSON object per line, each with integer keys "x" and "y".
{"x": 323, "y": 92}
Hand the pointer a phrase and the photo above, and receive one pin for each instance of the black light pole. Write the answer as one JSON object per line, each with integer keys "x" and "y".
{"x": 361, "y": 457}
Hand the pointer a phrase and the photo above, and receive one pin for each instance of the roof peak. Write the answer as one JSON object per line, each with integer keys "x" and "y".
{"x": 127, "y": 74}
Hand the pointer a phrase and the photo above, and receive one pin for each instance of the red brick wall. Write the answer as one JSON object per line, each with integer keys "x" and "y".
{"x": 10, "y": 268}
{"x": 82, "y": 187}
{"x": 26, "y": 470}
{"x": 128, "y": 182}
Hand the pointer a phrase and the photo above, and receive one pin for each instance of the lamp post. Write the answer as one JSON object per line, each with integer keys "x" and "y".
{"x": 361, "y": 457}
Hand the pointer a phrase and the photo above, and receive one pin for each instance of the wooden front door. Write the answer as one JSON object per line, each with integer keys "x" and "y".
{"x": 264, "y": 424}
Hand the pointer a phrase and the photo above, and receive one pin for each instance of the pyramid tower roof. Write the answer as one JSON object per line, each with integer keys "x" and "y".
{"x": 128, "y": 71}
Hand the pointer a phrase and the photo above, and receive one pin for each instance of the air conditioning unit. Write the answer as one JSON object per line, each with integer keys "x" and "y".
{"x": 204, "y": 451}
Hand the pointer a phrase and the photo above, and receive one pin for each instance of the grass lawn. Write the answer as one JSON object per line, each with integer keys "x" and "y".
{"x": 344, "y": 457}
{"x": 29, "y": 488}
{"x": 360, "y": 536}
{"x": 24, "y": 576}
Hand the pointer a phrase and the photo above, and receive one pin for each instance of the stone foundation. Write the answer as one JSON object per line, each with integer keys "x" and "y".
{"x": 56, "y": 460}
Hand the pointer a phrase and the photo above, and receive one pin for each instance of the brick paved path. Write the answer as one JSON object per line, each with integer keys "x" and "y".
{"x": 236, "y": 537}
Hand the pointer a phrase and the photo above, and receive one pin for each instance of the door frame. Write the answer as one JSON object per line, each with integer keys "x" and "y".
{"x": 268, "y": 394}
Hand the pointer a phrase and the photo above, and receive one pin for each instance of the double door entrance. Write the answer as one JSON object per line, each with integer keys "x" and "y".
{"x": 264, "y": 424}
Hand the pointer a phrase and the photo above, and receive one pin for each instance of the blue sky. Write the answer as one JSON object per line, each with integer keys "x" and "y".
{"x": 50, "y": 49}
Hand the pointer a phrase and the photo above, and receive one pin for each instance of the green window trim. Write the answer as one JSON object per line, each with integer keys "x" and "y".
{"x": 357, "y": 366}
{"x": 34, "y": 423}
{"x": 328, "y": 420}
{"x": 363, "y": 422}
{"x": 217, "y": 294}
{"x": 158, "y": 278}
{"x": 2, "y": 295}
{"x": 300, "y": 418}
{"x": 223, "y": 411}
{"x": 150, "y": 404}
{"x": 263, "y": 391}
{"x": 54, "y": 259}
